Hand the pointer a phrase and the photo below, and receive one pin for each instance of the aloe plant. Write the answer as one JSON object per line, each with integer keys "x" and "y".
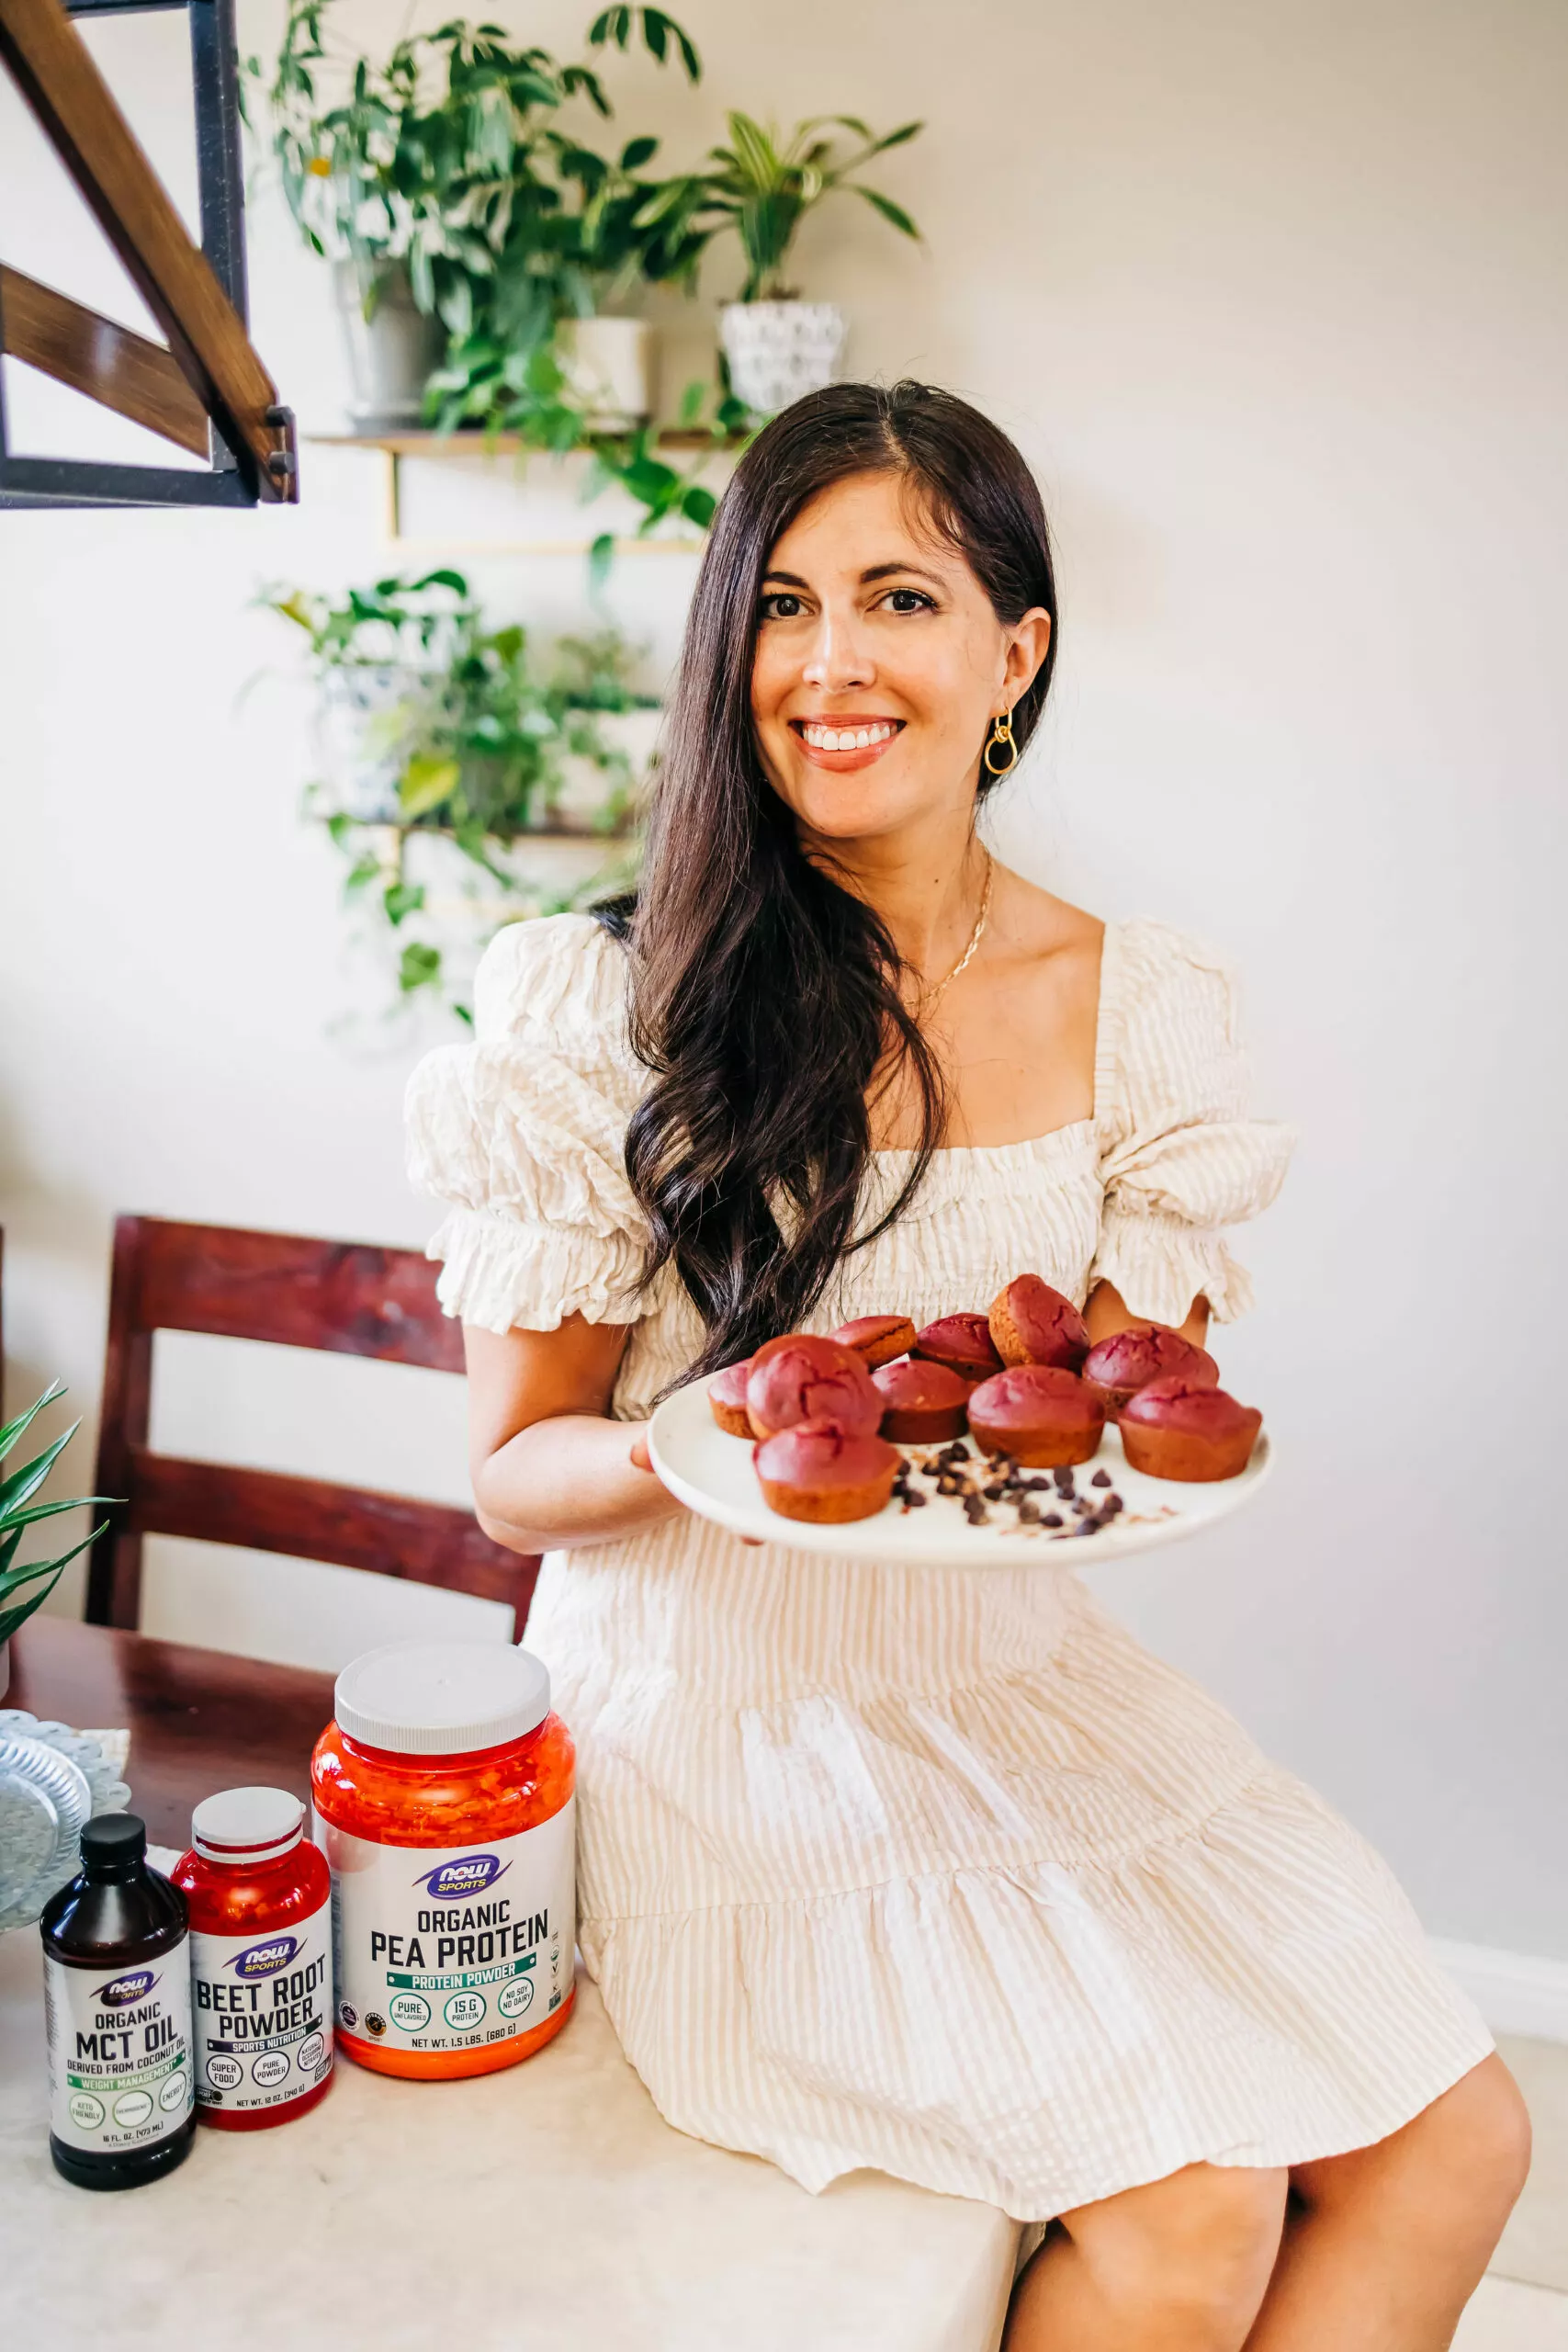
{"x": 23, "y": 1590}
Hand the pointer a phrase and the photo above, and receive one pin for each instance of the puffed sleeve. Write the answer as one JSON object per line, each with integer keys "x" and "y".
{"x": 1179, "y": 1157}
{"x": 522, "y": 1133}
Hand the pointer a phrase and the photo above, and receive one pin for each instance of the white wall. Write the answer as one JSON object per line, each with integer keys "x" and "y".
{"x": 1273, "y": 300}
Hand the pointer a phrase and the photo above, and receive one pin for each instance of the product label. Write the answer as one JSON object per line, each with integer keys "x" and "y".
{"x": 119, "y": 2074}
{"x": 262, "y": 2007}
{"x": 452, "y": 1948}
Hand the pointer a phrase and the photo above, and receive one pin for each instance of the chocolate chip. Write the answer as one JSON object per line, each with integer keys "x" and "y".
{"x": 1100, "y": 1478}
{"x": 1089, "y": 1527}
{"x": 1112, "y": 1505}
{"x": 1051, "y": 1518}
{"x": 994, "y": 1492}
{"x": 974, "y": 1511}
{"x": 1029, "y": 1514}
{"x": 1038, "y": 1485}
{"x": 1082, "y": 1507}
{"x": 930, "y": 1470}
{"x": 915, "y": 1501}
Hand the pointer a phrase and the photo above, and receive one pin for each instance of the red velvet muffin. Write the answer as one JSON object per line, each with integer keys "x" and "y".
{"x": 1179, "y": 1428}
{"x": 923, "y": 1403}
{"x": 727, "y": 1398}
{"x": 1040, "y": 1413}
{"x": 1032, "y": 1323}
{"x": 878, "y": 1339}
{"x": 818, "y": 1471}
{"x": 1118, "y": 1367}
{"x": 961, "y": 1341}
{"x": 803, "y": 1378}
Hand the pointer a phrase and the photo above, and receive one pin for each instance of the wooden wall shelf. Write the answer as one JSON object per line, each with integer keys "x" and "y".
{"x": 437, "y": 448}
{"x": 473, "y": 443}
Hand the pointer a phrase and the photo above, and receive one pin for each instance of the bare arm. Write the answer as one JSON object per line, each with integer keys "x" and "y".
{"x": 1107, "y": 1312}
{"x": 549, "y": 1467}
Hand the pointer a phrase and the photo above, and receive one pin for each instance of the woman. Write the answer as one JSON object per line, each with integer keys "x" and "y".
{"x": 934, "y": 1873}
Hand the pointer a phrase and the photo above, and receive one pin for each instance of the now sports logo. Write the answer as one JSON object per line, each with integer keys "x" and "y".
{"x": 123, "y": 1992}
{"x": 469, "y": 1874}
{"x": 264, "y": 1959}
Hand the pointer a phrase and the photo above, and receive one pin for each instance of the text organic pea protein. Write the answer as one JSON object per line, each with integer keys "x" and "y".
{"x": 445, "y": 1805}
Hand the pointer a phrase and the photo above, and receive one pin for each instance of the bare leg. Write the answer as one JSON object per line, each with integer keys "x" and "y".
{"x": 1384, "y": 2246}
{"x": 1180, "y": 2265}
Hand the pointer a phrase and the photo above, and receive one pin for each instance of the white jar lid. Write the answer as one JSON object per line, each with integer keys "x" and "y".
{"x": 421, "y": 1698}
{"x": 247, "y": 1824}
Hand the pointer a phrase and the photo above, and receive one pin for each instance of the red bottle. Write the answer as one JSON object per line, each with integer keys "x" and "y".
{"x": 260, "y": 1954}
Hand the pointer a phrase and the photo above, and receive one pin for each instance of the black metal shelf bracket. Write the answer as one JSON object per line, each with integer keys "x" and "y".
{"x": 231, "y": 475}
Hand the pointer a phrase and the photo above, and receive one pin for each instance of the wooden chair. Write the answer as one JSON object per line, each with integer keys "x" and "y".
{"x": 351, "y": 1298}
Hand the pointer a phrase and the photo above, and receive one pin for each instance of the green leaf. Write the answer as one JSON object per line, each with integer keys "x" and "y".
{"x": 754, "y": 151}
{"x": 10, "y": 1619}
{"x": 400, "y": 899}
{"x": 14, "y": 1430}
{"x": 637, "y": 152}
{"x": 888, "y": 209}
{"x": 429, "y": 778}
{"x": 905, "y": 131}
{"x": 295, "y": 608}
{"x": 699, "y": 505}
{"x": 601, "y": 556}
{"x": 613, "y": 24}
{"x": 23, "y": 1483}
{"x": 418, "y": 967}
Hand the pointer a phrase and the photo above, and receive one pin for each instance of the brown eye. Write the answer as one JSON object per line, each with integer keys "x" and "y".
{"x": 908, "y": 600}
{"x": 781, "y": 606}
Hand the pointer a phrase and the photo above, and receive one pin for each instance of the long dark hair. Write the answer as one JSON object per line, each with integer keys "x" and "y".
{"x": 764, "y": 997}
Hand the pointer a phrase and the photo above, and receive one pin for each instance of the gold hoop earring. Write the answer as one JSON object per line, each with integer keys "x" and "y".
{"x": 999, "y": 739}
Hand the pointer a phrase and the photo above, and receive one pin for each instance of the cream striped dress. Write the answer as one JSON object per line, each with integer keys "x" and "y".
{"x": 934, "y": 1871}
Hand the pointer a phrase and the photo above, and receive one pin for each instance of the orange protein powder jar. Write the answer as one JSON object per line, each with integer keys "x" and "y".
{"x": 445, "y": 1805}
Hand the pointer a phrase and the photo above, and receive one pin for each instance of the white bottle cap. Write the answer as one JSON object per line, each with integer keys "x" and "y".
{"x": 247, "y": 1824}
{"x": 422, "y": 1698}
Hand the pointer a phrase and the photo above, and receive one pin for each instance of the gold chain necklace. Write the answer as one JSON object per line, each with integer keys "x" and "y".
{"x": 975, "y": 937}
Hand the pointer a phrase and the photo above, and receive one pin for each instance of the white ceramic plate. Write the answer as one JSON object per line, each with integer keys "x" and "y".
{"x": 44, "y": 1800}
{"x": 712, "y": 1474}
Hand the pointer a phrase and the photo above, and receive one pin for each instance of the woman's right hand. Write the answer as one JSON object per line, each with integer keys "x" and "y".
{"x": 551, "y": 1468}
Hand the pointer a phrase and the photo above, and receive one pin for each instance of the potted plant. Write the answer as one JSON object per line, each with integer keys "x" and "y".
{"x": 446, "y": 748}
{"x": 778, "y": 346}
{"x": 23, "y": 1590}
{"x": 435, "y": 189}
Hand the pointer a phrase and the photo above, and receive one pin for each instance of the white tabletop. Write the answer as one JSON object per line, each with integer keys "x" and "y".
{"x": 548, "y": 2206}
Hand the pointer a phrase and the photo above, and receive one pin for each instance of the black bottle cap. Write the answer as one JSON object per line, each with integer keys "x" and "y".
{"x": 114, "y": 1846}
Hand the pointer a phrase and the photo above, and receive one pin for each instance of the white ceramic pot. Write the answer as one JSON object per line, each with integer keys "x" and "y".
{"x": 367, "y": 720}
{"x": 779, "y": 351}
{"x": 612, "y": 367}
{"x": 392, "y": 352}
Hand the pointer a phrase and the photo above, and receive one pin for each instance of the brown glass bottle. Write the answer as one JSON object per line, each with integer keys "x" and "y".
{"x": 117, "y": 1990}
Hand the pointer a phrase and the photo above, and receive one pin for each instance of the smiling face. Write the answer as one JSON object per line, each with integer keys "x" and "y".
{"x": 880, "y": 664}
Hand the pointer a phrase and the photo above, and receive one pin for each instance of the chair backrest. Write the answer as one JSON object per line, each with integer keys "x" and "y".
{"x": 343, "y": 1296}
